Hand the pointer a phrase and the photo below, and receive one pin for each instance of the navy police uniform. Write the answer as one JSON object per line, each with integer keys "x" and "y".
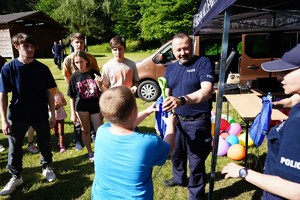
{"x": 193, "y": 132}
{"x": 283, "y": 158}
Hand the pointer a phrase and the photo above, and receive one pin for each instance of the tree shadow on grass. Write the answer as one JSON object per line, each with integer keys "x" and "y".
{"x": 71, "y": 183}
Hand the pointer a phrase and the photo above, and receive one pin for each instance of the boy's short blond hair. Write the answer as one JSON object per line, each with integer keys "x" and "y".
{"x": 117, "y": 103}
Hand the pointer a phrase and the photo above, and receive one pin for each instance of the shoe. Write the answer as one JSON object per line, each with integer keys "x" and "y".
{"x": 62, "y": 149}
{"x": 2, "y": 148}
{"x": 32, "y": 149}
{"x": 11, "y": 186}
{"x": 171, "y": 183}
{"x": 78, "y": 146}
{"x": 91, "y": 157}
{"x": 49, "y": 174}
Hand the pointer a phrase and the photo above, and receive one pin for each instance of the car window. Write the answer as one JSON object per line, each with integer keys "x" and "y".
{"x": 167, "y": 54}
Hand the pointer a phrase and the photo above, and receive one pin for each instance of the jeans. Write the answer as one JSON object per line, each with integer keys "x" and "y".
{"x": 15, "y": 140}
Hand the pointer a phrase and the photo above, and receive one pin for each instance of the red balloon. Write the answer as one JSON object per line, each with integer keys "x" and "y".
{"x": 224, "y": 124}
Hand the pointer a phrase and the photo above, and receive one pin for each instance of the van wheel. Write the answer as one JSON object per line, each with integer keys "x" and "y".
{"x": 148, "y": 90}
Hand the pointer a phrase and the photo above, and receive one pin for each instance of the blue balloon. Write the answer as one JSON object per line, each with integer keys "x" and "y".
{"x": 232, "y": 139}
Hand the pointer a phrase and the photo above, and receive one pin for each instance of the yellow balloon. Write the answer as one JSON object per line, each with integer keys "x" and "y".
{"x": 242, "y": 139}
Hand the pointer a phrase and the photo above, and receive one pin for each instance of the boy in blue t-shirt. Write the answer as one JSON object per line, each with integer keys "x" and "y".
{"x": 124, "y": 158}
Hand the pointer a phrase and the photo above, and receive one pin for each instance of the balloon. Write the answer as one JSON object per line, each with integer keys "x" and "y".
{"x": 213, "y": 113}
{"x": 232, "y": 139}
{"x": 234, "y": 129}
{"x": 222, "y": 147}
{"x": 212, "y": 131}
{"x": 242, "y": 139}
{"x": 229, "y": 118}
{"x": 224, "y": 135}
{"x": 236, "y": 152}
{"x": 224, "y": 124}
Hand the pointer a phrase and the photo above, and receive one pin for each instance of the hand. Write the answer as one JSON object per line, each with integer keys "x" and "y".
{"x": 171, "y": 103}
{"x": 57, "y": 106}
{"x": 99, "y": 80}
{"x": 73, "y": 118}
{"x": 6, "y": 127}
{"x": 171, "y": 120}
{"x": 52, "y": 122}
{"x": 231, "y": 170}
{"x": 151, "y": 109}
{"x": 133, "y": 89}
{"x": 287, "y": 102}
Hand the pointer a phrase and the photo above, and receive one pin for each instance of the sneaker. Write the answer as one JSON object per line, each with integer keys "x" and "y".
{"x": 49, "y": 174}
{"x": 2, "y": 148}
{"x": 62, "y": 149}
{"x": 78, "y": 146}
{"x": 32, "y": 149}
{"x": 91, "y": 157}
{"x": 11, "y": 186}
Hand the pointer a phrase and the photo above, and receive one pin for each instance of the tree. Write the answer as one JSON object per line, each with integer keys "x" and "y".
{"x": 13, "y": 6}
{"x": 162, "y": 19}
{"x": 126, "y": 22}
{"x": 85, "y": 16}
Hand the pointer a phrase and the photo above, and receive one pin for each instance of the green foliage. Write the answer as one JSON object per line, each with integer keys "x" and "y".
{"x": 143, "y": 20}
{"x": 126, "y": 24}
{"x": 47, "y": 6}
{"x": 162, "y": 19}
{"x": 132, "y": 45}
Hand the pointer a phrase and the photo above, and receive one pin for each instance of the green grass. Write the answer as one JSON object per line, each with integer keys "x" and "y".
{"x": 75, "y": 172}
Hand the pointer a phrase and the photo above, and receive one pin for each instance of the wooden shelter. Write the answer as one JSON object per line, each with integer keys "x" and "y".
{"x": 36, "y": 23}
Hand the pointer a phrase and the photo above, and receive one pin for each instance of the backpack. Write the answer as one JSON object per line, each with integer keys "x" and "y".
{"x": 160, "y": 123}
{"x": 260, "y": 125}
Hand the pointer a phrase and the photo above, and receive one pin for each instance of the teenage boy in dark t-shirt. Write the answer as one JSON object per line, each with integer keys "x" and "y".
{"x": 31, "y": 83}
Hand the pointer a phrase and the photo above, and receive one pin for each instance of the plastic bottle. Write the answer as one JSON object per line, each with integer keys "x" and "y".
{"x": 270, "y": 96}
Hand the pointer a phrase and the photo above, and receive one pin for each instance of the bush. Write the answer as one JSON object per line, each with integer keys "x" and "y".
{"x": 132, "y": 45}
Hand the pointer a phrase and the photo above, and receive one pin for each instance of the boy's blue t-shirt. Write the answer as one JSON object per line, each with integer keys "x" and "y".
{"x": 29, "y": 84}
{"x": 123, "y": 164}
{"x": 186, "y": 79}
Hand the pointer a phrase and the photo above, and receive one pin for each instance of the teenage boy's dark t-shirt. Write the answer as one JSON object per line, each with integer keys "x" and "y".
{"x": 29, "y": 84}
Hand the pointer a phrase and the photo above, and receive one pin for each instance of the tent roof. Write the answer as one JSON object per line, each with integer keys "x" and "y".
{"x": 255, "y": 16}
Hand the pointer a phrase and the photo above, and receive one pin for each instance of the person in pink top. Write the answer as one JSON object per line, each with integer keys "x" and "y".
{"x": 60, "y": 116}
{"x": 119, "y": 71}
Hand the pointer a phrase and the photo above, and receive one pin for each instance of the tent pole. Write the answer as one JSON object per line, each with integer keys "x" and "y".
{"x": 219, "y": 101}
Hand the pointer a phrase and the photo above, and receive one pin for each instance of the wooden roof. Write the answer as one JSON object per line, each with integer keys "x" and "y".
{"x": 31, "y": 19}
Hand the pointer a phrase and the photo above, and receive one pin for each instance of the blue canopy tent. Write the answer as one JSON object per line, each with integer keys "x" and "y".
{"x": 214, "y": 17}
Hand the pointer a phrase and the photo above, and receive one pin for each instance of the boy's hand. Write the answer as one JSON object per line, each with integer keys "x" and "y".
{"x": 151, "y": 109}
{"x": 171, "y": 120}
{"x": 133, "y": 89}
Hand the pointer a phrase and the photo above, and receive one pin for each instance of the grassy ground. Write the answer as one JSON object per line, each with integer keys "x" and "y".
{"x": 75, "y": 172}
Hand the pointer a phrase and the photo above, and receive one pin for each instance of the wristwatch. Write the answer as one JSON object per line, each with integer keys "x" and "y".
{"x": 243, "y": 173}
{"x": 182, "y": 99}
